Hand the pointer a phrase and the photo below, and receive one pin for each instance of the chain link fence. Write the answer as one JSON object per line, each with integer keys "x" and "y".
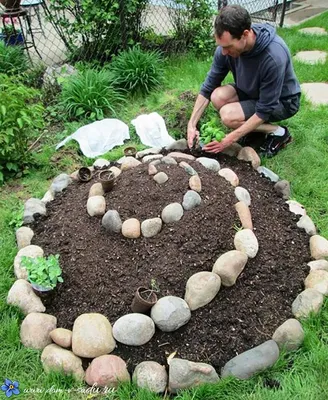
{"x": 57, "y": 31}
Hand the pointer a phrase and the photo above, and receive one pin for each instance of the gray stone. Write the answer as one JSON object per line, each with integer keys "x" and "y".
{"x": 96, "y": 206}
{"x": 170, "y": 313}
{"x": 178, "y": 145}
{"x": 161, "y": 178}
{"x": 62, "y": 337}
{"x": 268, "y": 173}
{"x": 191, "y": 199}
{"x": 282, "y": 188}
{"x": 295, "y": 207}
{"x": 289, "y": 335}
{"x": 313, "y": 30}
{"x": 209, "y": 163}
{"x": 172, "y": 213}
{"x": 155, "y": 162}
{"x": 318, "y": 264}
{"x": 307, "y": 224}
{"x": 54, "y": 358}
{"x": 35, "y": 330}
{"x": 201, "y": 288}
{"x": 92, "y": 336}
{"x": 243, "y": 195}
{"x": 33, "y": 208}
{"x": 101, "y": 163}
{"x": 229, "y": 266}
{"x": 107, "y": 371}
{"x": 22, "y": 295}
{"x": 183, "y": 156}
{"x": 60, "y": 183}
{"x": 232, "y": 150}
{"x": 134, "y": 329}
{"x": 169, "y": 160}
{"x": 147, "y": 152}
{"x": 310, "y": 300}
{"x": 24, "y": 236}
{"x": 317, "y": 280}
{"x": 247, "y": 364}
{"x": 246, "y": 241}
{"x": 151, "y": 227}
{"x": 111, "y": 221}
{"x": 190, "y": 170}
{"x": 48, "y": 196}
{"x": 152, "y": 157}
{"x": 150, "y": 375}
{"x": 28, "y": 251}
{"x": 129, "y": 163}
{"x": 317, "y": 93}
{"x": 318, "y": 247}
{"x": 184, "y": 374}
{"x": 311, "y": 57}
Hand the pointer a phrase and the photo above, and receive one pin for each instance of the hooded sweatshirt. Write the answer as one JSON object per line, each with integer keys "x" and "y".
{"x": 265, "y": 73}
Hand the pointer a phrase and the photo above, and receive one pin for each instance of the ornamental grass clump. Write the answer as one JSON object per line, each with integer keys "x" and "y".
{"x": 138, "y": 71}
{"x": 42, "y": 271}
{"x": 13, "y": 60}
{"x": 91, "y": 94}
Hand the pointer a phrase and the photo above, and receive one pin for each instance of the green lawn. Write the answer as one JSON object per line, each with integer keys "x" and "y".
{"x": 302, "y": 375}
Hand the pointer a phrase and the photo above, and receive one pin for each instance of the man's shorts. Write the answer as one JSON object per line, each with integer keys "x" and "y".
{"x": 287, "y": 107}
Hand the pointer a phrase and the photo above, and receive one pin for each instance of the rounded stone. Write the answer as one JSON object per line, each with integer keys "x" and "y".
{"x": 22, "y": 296}
{"x": 96, "y": 190}
{"x": 311, "y": 57}
{"x": 107, "y": 371}
{"x": 161, "y": 178}
{"x": 201, "y": 288}
{"x": 246, "y": 241}
{"x": 35, "y": 330}
{"x": 62, "y": 337}
{"x": 129, "y": 163}
{"x": 289, "y": 335}
{"x": 318, "y": 264}
{"x": 152, "y": 170}
{"x": 170, "y": 313}
{"x": 249, "y": 154}
{"x": 151, "y": 157}
{"x": 101, "y": 163}
{"x": 195, "y": 183}
{"x": 209, "y": 163}
{"x": 24, "y": 236}
{"x": 229, "y": 176}
{"x": 150, "y": 375}
{"x": 229, "y": 266}
{"x": 134, "y": 329}
{"x": 151, "y": 227}
{"x": 169, "y": 160}
{"x": 92, "y": 336}
{"x": 308, "y": 301}
{"x": 296, "y": 208}
{"x": 243, "y": 195}
{"x": 31, "y": 251}
{"x": 191, "y": 199}
{"x": 96, "y": 206}
{"x": 111, "y": 221}
{"x": 317, "y": 280}
{"x": 131, "y": 228}
{"x": 318, "y": 247}
{"x": 244, "y": 215}
{"x": 116, "y": 171}
{"x": 172, "y": 213}
{"x": 282, "y": 188}
{"x": 307, "y": 224}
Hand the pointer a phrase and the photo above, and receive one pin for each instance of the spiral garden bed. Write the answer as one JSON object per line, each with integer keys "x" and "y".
{"x": 102, "y": 270}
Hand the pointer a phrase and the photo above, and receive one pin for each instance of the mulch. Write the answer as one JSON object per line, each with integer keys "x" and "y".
{"x": 101, "y": 271}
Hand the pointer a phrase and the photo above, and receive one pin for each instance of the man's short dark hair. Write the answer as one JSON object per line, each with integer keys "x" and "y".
{"x": 234, "y": 19}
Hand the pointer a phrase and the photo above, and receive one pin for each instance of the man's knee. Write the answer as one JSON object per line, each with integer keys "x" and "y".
{"x": 230, "y": 116}
{"x": 222, "y": 96}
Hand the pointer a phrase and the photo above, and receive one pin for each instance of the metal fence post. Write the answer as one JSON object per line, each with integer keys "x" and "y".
{"x": 283, "y": 11}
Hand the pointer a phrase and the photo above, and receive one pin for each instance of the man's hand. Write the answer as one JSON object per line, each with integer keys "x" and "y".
{"x": 193, "y": 135}
{"x": 217, "y": 147}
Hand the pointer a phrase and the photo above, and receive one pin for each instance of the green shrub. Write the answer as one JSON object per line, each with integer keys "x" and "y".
{"x": 43, "y": 271}
{"x": 21, "y": 114}
{"x": 12, "y": 59}
{"x": 138, "y": 71}
{"x": 90, "y": 94}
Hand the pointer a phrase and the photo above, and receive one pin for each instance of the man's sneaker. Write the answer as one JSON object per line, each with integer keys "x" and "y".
{"x": 273, "y": 143}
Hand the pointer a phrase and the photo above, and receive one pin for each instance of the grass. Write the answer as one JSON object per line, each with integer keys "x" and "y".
{"x": 300, "y": 375}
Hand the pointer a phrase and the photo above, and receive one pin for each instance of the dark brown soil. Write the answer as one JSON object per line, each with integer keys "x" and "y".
{"x": 101, "y": 271}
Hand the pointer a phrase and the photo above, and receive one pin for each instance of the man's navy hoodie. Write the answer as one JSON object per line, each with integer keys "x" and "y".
{"x": 265, "y": 73}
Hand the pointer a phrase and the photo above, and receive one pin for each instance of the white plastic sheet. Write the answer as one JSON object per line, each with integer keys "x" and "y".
{"x": 152, "y": 130}
{"x": 99, "y": 137}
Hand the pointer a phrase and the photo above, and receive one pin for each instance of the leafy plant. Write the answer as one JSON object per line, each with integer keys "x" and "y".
{"x": 21, "y": 113}
{"x": 90, "y": 94}
{"x": 42, "y": 271}
{"x": 97, "y": 29}
{"x": 210, "y": 132}
{"x": 137, "y": 71}
{"x": 13, "y": 60}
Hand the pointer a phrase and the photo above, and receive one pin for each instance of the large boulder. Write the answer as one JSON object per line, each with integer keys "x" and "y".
{"x": 22, "y": 295}
{"x": 150, "y": 375}
{"x": 35, "y": 330}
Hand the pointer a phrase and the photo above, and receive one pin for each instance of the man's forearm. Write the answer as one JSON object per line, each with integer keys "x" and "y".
{"x": 199, "y": 108}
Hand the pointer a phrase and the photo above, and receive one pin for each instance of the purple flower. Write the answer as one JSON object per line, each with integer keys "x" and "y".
{"x": 10, "y": 387}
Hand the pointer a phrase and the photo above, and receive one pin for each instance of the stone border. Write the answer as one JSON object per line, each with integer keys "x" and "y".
{"x": 38, "y": 330}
